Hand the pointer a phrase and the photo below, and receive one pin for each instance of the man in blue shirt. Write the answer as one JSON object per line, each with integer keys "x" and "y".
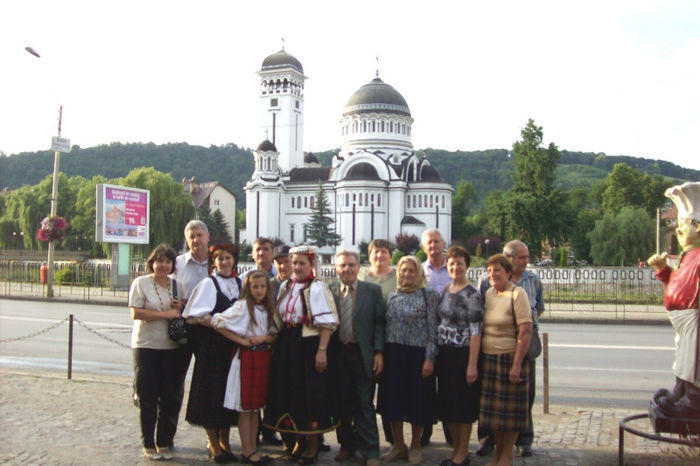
{"x": 519, "y": 254}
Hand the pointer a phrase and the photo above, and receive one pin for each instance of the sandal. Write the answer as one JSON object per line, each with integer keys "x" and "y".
{"x": 259, "y": 462}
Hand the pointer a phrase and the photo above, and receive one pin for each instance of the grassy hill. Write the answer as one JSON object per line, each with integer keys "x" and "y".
{"x": 231, "y": 165}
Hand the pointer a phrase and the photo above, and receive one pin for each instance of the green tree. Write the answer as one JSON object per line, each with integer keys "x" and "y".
{"x": 626, "y": 186}
{"x": 621, "y": 239}
{"x": 204, "y": 214}
{"x": 318, "y": 230}
{"x": 464, "y": 197}
{"x": 219, "y": 228}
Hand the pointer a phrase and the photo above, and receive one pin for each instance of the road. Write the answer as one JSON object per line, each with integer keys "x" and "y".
{"x": 602, "y": 365}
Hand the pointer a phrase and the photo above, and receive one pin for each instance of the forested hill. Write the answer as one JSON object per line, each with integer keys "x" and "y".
{"x": 232, "y": 166}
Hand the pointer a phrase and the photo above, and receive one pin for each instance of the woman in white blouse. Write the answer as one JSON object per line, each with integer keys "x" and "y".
{"x": 303, "y": 396}
{"x": 212, "y": 352}
{"x": 152, "y": 305}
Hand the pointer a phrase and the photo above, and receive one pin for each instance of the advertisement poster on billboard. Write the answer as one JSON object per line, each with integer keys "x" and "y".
{"x": 122, "y": 214}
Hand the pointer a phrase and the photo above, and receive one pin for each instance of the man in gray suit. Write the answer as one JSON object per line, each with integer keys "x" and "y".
{"x": 361, "y": 334}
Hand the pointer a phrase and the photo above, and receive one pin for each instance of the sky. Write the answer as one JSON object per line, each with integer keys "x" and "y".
{"x": 619, "y": 77}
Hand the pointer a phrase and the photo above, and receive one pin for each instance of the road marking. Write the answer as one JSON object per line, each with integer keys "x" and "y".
{"x": 53, "y": 321}
{"x": 622, "y": 347}
{"x": 608, "y": 369}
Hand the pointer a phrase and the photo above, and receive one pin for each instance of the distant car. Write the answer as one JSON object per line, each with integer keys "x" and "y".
{"x": 544, "y": 263}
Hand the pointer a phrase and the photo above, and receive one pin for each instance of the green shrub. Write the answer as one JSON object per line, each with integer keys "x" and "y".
{"x": 63, "y": 276}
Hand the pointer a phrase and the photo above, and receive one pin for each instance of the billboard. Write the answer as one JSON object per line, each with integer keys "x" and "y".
{"x": 122, "y": 214}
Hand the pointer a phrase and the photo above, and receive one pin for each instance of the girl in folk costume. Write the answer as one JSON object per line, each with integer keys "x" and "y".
{"x": 212, "y": 351}
{"x": 248, "y": 323}
{"x": 303, "y": 391}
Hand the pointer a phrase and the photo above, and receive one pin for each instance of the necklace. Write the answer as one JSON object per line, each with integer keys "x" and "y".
{"x": 155, "y": 287}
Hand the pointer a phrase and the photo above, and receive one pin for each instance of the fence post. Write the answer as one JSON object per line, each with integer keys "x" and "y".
{"x": 70, "y": 346}
{"x": 545, "y": 372}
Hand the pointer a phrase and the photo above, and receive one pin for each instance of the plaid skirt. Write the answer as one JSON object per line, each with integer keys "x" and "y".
{"x": 255, "y": 377}
{"x": 503, "y": 405}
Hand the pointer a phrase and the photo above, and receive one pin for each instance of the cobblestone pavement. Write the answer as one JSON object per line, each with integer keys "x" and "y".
{"x": 46, "y": 419}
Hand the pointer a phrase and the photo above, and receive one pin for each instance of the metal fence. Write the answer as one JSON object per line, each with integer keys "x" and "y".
{"x": 600, "y": 285}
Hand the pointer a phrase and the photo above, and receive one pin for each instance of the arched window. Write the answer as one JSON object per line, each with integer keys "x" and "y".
{"x": 382, "y": 130}
{"x": 347, "y": 200}
{"x": 431, "y": 201}
{"x": 420, "y": 201}
{"x": 366, "y": 203}
{"x": 298, "y": 202}
{"x": 426, "y": 199}
{"x": 311, "y": 202}
{"x": 415, "y": 204}
{"x": 360, "y": 196}
{"x": 371, "y": 198}
{"x": 379, "y": 200}
{"x": 354, "y": 127}
{"x": 364, "y": 126}
{"x": 443, "y": 201}
{"x": 374, "y": 126}
{"x": 391, "y": 126}
{"x": 292, "y": 203}
{"x": 306, "y": 202}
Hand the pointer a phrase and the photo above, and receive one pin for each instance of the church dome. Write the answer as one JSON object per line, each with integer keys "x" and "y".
{"x": 429, "y": 173}
{"x": 266, "y": 146}
{"x": 281, "y": 60}
{"x": 377, "y": 97}
{"x": 362, "y": 171}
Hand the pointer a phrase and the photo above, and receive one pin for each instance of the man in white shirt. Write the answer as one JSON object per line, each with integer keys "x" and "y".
{"x": 190, "y": 269}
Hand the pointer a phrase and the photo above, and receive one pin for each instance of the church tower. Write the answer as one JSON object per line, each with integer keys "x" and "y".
{"x": 282, "y": 107}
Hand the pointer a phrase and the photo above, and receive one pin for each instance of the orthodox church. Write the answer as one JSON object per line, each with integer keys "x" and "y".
{"x": 376, "y": 186}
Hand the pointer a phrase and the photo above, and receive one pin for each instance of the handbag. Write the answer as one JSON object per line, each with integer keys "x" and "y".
{"x": 535, "y": 348}
{"x": 178, "y": 330}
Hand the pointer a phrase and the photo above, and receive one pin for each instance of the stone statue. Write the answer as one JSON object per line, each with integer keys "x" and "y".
{"x": 681, "y": 299}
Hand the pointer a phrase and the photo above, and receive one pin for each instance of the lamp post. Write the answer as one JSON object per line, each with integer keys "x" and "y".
{"x": 54, "y": 189}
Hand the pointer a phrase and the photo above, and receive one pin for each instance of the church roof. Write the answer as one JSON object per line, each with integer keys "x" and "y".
{"x": 411, "y": 220}
{"x": 377, "y": 97}
{"x": 429, "y": 173}
{"x": 266, "y": 146}
{"x": 309, "y": 174}
{"x": 362, "y": 171}
{"x": 281, "y": 60}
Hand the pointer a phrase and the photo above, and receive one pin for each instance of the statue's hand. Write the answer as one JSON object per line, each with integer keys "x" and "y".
{"x": 657, "y": 261}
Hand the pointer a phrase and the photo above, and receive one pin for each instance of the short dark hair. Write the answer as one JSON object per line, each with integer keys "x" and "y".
{"x": 500, "y": 259}
{"x": 262, "y": 240}
{"x": 161, "y": 251}
{"x": 380, "y": 243}
{"x": 459, "y": 251}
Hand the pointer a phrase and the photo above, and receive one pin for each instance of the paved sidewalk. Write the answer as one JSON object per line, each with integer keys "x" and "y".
{"x": 47, "y": 419}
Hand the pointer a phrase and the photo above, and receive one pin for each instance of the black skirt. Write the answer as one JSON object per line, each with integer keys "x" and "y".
{"x": 404, "y": 395}
{"x": 457, "y": 401}
{"x": 213, "y": 353}
{"x": 300, "y": 399}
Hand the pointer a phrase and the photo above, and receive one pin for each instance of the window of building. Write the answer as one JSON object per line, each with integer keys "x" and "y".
{"x": 415, "y": 204}
{"x": 347, "y": 200}
{"x": 443, "y": 201}
{"x": 408, "y": 201}
{"x": 296, "y": 104}
{"x": 360, "y": 196}
{"x": 374, "y": 126}
{"x": 354, "y": 127}
{"x": 292, "y": 202}
{"x": 391, "y": 126}
{"x": 298, "y": 202}
{"x": 379, "y": 200}
{"x": 364, "y": 126}
{"x": 306, "y": 202}
{"x": 274, "y": 102}
{"x": 382, "y": 130}
{"x": 371, "y": 198}
{"x": 311, "y": 202}
{"x": 366, "y": 196}
{"x": 420, "y": 201}
{"x": 291, "y": 233}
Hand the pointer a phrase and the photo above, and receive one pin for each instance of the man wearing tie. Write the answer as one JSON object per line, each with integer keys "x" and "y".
{"x": 361, "y": 335}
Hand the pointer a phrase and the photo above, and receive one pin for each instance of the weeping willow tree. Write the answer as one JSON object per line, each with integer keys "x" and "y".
{"x": 171, "y": 208}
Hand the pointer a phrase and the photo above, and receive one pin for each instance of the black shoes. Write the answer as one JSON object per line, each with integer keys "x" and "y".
{"x": 525, "y": 451}
{"x": 485, "y": 450}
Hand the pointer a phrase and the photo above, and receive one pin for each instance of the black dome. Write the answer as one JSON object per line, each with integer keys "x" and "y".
{"x": 311, "y": 158}
{"x": 281, "y": 60}
{"x": 377, "y": 96}
{"x": 266, "y": 146}
{"x": 362, "y": 171}
{"x": 429, "y": 173}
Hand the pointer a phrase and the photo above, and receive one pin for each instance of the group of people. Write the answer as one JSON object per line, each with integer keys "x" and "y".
{"x": 278, "y": 348}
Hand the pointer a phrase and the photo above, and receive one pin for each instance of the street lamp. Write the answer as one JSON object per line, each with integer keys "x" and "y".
{"x": 56, "y": 145}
